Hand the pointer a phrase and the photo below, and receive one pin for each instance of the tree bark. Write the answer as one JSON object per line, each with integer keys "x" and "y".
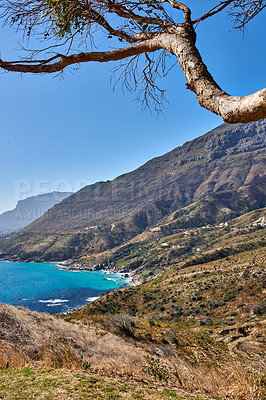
{"x": 233, "y": 109}
{"x": 179, "y": 40}
{"x": 44, "y": 66}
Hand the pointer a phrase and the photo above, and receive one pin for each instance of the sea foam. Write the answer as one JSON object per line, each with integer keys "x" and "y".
{"x": 90, "y": 299}
{"x": 53, "y": 301}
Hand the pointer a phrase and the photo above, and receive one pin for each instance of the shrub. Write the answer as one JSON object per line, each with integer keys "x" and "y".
{"x": 257, "y": 309}
{"x": 231, "y": 295}
{"x": 233, "y": 314}
{"x": 123, "y": 324}
{"x": 156, "y": 368}
{"x": 86, "y": 366}
{"x": 27, "y": 371}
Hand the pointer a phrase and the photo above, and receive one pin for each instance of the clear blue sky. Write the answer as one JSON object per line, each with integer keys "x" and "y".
{"x": 77, "y": 130}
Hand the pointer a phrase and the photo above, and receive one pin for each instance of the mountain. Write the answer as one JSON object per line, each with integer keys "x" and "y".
{"x": 191, "y": 227}
{"x": 209, "y": 180}
{"x": 28, "y": 210}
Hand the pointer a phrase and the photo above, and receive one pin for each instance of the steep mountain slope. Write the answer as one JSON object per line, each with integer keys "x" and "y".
{"x": 228, "y": 291}
{"x": 211, "y": 179}
{"x": 28, "y": 210}
{"x": 151, "y": 253}
{"x": 224, "y": 159}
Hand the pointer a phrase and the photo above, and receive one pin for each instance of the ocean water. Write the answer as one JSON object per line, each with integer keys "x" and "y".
{"x": 48, "y": 288}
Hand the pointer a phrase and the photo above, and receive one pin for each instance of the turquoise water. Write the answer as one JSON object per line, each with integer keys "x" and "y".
{"x": 48, "y": 288}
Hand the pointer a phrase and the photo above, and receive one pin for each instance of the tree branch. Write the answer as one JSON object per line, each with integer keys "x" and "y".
{"x": 182, "y": 7}
{"x": 244, "y": 11}
{"x": 180, "y": 41}
{"x": 64, "y": 61}
{"x": 99, "y": 19}
{"x": 232, "y": 109}
{"x": 213, "y": 11}
{"x": 129, "y": 14}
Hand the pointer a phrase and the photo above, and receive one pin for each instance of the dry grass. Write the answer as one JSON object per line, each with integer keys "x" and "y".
{"x": 230, "y": 381}
{"x": 26, "y": 384}
{"x": 177, "y": 355}
{"x": 42, "y": 340}
{"x": 225, "y": 358}
{"x": 197, "y": 365}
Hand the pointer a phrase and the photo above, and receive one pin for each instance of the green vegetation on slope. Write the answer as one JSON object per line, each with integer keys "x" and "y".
{"x": 198, "y": 329}
{"x": 197, "y": 313}
{"x": 26, "y": 383}
{"x": 229, "y": 294}
{"x": 157, "y": 249}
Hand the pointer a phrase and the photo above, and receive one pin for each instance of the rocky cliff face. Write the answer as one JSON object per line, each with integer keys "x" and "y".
{"x": 224, "y": 159}
{"x": 217, "y": 176}
{"x": 28, "y": 210}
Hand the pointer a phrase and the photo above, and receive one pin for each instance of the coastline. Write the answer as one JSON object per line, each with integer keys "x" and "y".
{"x": 71, "y": 265}
{"x": 122, "y": 279}
{"x": 132, "y": 278}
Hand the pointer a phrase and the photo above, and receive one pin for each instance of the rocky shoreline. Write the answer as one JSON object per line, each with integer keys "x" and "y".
{"x": 107, "y": 269}
{"x": 78, "y": 266}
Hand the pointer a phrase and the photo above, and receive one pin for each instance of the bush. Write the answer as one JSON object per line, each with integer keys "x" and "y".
{"x": 86, "y": 366}
{"x": 156, "y": 368}
{"x": 123, "y": 324}
{"x": 257, "y": 310}
{"x": 231, "y": 295}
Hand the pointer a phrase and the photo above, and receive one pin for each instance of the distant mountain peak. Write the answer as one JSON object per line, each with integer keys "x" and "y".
{"x": 29, "y": 209}
{"x": 209, "y": 180}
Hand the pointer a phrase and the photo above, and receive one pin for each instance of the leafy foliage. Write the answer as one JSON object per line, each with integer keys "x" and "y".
{"x": 156, "y": 368}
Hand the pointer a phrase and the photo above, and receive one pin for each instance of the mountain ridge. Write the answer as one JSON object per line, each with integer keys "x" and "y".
{"x": 29, "y": 209}
{"x": 147, "y": 183}
{"x": 195, "y": 328}
{"x": 215, "y": 177}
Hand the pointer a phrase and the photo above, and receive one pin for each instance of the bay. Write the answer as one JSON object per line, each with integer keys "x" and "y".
{"x": 48, "y": 288}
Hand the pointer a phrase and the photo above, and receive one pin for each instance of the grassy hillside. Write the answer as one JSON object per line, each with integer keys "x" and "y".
{"x": 220, "y": 303}
{"x": 229, "y": 294}
{"x": 142, "y": 358}
{"x": 152, "y": 252}
{"x": 196, "y": 331}
{"x": 27, "y": 383}
{"x": 190, "y": 226}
